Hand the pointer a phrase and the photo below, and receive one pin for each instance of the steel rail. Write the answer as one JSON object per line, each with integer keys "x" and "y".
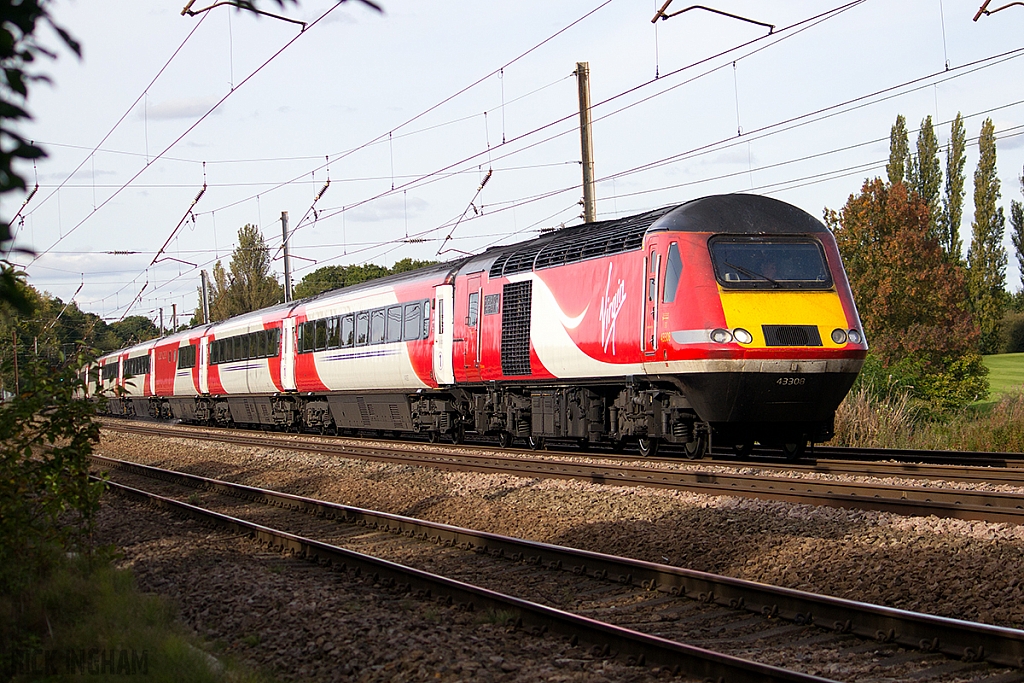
{"x": 962, "y": 639}
{"x": 990, "y": 506}
{"x": 1010, "y": 476}
{"x": 607, "y": 639}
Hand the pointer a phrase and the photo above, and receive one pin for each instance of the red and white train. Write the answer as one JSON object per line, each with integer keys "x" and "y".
{"x": 728, "y": 316}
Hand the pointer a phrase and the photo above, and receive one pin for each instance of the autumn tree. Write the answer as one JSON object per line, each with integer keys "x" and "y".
{"x": 953, "y": 198}
{"x": 912, "y": 301}
{"x": 925, "y": 174}
{"x": 986, "y": 258}
{"x": 899, "y": 152}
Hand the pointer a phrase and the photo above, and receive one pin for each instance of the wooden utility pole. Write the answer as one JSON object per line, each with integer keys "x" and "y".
{"x": 586, "y": 142}
{"x": 174, "y": 317}
{"x": 161, "y": 321}
{"x": 287, "y": 261}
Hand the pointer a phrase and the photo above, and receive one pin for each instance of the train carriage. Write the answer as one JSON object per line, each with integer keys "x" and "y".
{"x": 728, "y": 317}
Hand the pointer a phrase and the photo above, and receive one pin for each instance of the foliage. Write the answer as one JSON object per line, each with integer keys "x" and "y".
{"x": 19, "y": 48}
{"x": 1011, "y": 333}
{"x": 46, "y": 498}
{"x": 888, "y": 421}
{"x": 1017, "y": 230}
{"x": 912, "y": 301}
{"x": 250, "y": 285}
{"x": 986, "y": 258}
{"x": 899, "y": 152}
{"x": 335, "y": 277}
{"x": 953, "y": 198}
{"x": 925, "y": 174}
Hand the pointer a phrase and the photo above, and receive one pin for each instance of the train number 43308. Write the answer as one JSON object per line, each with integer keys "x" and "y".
{"x": 791, "y": 381}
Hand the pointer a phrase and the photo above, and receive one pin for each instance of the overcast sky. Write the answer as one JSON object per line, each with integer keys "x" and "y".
{"x": 428, "y": 96}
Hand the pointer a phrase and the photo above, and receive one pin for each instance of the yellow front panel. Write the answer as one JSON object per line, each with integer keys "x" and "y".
{"x": 750, "y": 309}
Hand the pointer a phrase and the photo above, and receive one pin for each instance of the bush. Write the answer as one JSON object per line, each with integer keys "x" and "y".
{"x": 46, "y": 499}
{"x": 933, "y": 388}
{"x": 1011, "y": 338}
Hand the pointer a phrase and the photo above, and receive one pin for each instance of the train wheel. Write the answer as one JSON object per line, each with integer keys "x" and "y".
{"x": 535, "y": 443}
{"x": 457, "y": 435}
{"x": 432, "y": 436}
{"x": 794, "y": 451}
{"x": 583, "y": 445}
{"x": 696, "y": 449}
{"x": 504, "y": 439}
{"x": 743, "y": 449}
{"x": 648, "y": 447}
{"x": 618, "y": 445}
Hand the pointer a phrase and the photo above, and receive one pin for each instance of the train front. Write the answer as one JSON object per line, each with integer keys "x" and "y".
{"x": 749, "y": 311}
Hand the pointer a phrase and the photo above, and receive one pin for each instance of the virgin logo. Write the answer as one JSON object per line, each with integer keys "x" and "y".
{"x": 611, "y": 306}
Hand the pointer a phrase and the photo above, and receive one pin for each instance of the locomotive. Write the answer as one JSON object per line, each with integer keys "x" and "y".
{"x": 728, "y": 317}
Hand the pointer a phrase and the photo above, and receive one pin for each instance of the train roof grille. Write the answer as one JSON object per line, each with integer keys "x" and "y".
{"x": 578, "y": 244}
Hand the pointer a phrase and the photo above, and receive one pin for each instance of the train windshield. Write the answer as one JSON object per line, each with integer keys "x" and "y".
{"x": 769, "y": 263}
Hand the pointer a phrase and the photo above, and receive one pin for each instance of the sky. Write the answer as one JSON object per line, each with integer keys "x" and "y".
{"x": 402, "y": 114}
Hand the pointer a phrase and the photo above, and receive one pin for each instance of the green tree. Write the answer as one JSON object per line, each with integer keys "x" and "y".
{"x": 1017, "y": 234}
{"x": 335, "y": 277}
{"x": 19, "y": 47}
{"x": 134, "y": 329}
{"x": 986, "y": 258}
{"x": 925, "y": 174}
{"x": 408, "y": 264}
{"x": 953, "y": 199}
{"x": 912, "y": 301}
{"x": 250, "y": 285}
{"x": 899, "y": 151}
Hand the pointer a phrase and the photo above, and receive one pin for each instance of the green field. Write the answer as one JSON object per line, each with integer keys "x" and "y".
{"x": 1006, "y": 373}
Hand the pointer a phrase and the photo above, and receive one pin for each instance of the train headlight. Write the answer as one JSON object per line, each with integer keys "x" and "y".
{"x": 720, "y": 336}
{"x": 855, "y": 336}
{"x": 742, "y": 336}
{"x": 839, "y": 336}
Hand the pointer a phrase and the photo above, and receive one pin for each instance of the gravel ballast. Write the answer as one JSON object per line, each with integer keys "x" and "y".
{"x": 955, "y": 568}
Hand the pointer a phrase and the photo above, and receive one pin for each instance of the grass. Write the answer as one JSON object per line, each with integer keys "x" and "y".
{"x": 1005, "y": 374}
{"x": 86, "y": 618}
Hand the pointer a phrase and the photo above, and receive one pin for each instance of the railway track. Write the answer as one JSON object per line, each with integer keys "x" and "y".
{"x": 917, "y": 500}
{"x": 633, "y": 608}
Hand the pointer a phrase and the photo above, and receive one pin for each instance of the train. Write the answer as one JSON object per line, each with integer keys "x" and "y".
{"x": 725, "y": 319}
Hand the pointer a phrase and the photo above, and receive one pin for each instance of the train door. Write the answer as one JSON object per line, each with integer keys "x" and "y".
{"x": 288, "y": 354}
{"x": 152, "y": 371}
{"x": 471, "y": 353}
{"x": 444, "y": 319}
{"x": 652, "y": 276}
{"x": 204, "y": 364}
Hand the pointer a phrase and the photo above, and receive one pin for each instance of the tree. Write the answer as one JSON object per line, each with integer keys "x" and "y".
{"x": 986, "y": 258}
{"x": 912, "y": 301}
{"x": 953, "y": 199}
{"x": 1017, "y": 234}
{"x": 408, "y": 264}
{"x": 925, "y": 174}
{"x": 19, "y": 47}
{"x": 899, "y": 151}
{"x": 250, "y": 286}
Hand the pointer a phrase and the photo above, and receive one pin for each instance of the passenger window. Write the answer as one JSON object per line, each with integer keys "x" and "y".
{"x": 426, "y": 319}
{"x": 347, "y": 331}
{"x": 413, "y": 321}
{"x": 673, "y": 271}
{"x": 321, "y": 334}
{"x": 474, "y": 309}
{"x": 362, "y": 328}
{"x": 377, "y": 326}
{"x": 394, "y": 326}
{"x": 274, "y": 342}
{"x": 332, "y": 332}
{"x": 300, "y": 346}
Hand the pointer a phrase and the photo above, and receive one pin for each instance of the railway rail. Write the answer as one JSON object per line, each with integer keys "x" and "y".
{"x": 605, "y": 639}
{"x": 969, "y": 642}
{"x": 985, "y": 505}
